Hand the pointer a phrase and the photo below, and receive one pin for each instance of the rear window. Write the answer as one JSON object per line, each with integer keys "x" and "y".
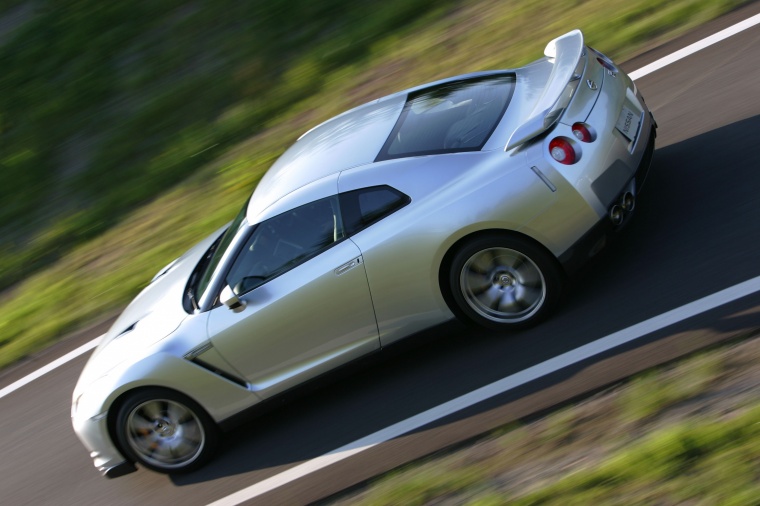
{"x": 452, "y": 117}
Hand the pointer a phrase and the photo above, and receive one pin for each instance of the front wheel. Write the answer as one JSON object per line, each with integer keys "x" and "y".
{"x": 504, "y": 282}
{"x": 165, "y": 431}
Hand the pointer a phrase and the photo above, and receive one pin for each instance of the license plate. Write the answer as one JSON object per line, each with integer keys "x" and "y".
{"x": 628, "y": 123}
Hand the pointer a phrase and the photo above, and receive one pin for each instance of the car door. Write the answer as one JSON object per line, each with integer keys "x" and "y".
{"x": 306, "y": 302}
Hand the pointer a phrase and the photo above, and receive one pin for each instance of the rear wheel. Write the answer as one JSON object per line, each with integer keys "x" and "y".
{"x": 165, "y": 431}
{"x": 504, "y": 282}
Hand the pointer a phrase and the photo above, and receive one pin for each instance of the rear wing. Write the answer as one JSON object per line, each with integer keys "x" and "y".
{"x": 566, "y": 54}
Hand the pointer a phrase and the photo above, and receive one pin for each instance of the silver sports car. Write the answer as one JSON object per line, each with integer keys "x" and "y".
{"x": 469, "y": 197}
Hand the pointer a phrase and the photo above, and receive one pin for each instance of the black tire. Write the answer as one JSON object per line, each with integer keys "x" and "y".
{"x": 165, "y": 431}
{"x": 503, "y": 282}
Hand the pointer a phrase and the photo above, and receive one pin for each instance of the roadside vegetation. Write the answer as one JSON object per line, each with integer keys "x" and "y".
{"x": 130, "y": 130}
{"x": 685, "y": 433}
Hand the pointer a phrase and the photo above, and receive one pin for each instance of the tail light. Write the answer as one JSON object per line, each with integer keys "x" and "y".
{"x": 606, "y": 64}
{"x": 561, "y": 150}
{"x": 604, "y": 61}
{"x": 583, "y": 132}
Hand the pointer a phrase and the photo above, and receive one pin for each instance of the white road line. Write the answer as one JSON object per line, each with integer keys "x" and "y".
{"x": 697, "y": 46}
{"x": 52, "y": 365}
{"x": 498, "y": 387}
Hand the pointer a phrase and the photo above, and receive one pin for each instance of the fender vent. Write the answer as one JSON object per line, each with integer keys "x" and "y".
{"x": 219, "y": 372}
{"x": 199, "y": 350}
{"x": 127, "y": 330}
{"x": 194, "y": 354}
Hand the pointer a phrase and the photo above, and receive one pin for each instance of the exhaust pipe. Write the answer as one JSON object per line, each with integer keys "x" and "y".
{"x": 624, "y": 206}
{"x": 616, "y": 215}
{"x": 628, "y": 201}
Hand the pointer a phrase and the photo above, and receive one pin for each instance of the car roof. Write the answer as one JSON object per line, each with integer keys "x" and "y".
{"x": 349, "y": 140}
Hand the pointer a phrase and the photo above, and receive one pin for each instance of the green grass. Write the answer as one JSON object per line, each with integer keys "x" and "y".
{"x": 712, "y": 461}
{"x": 130, "y": 130}
{"x": 650, "y": 394}
{"x": 424, "y": 487}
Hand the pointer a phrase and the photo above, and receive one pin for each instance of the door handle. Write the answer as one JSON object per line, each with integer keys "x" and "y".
{"x": 348, "y": 266}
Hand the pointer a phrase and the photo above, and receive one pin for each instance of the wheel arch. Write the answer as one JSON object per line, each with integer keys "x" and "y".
{"x": 118, "y": 402}
{"x": 212, "y": 433}
{"x": 446, "y": 260}
{"x": 457, "y": 245}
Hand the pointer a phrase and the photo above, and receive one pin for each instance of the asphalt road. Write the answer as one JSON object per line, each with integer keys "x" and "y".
{"x": 696, "y": 231}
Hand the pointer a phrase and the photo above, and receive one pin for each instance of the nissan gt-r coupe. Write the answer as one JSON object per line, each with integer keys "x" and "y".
{"x": 469, "y": 197}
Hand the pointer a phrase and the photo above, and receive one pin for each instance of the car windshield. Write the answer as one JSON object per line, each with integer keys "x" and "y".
{"x": 452, "y": 117}
{"x": 204, "y": 278}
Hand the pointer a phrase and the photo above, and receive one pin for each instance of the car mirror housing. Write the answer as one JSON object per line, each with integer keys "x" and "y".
{"x": 231, "y": 300}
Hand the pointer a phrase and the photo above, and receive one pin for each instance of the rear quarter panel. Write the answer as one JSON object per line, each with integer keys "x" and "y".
{"x": 452, "y": 196}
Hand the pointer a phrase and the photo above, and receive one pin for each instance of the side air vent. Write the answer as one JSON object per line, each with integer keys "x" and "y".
{"x": 219, "y": 372}
{"x": 194, "y": 356}
{"x": 199, "y": 350}
{"x": 127, "y": 330}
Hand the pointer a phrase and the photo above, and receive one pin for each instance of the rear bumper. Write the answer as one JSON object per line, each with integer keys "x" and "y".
{"x": 609, "y": 163}
{"x": 624, "y": 158}
{"x": 615, "y": 161}
{"x": 595, "y": 238}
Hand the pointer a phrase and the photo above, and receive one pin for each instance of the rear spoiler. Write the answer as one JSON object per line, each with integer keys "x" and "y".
{"x": 565, "y": 53}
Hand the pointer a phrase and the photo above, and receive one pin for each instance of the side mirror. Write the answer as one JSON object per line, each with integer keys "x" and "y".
{"x": 231, "y": 300}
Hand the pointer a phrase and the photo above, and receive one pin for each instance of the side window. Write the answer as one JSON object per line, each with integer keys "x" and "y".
{"x": 285, "y": 241}
{"x": 362, "y": 208}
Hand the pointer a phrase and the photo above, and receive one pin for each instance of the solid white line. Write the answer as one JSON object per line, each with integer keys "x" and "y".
{"x": 697, "y": 46}
{"x": 52, "y": 365}
{"x": 498, "y": 387}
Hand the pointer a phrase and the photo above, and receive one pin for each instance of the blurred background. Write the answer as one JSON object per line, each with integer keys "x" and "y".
{"x": 131, "y": 130}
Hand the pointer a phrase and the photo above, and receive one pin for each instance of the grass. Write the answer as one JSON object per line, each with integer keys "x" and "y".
{"x": 713, "y": 461}
{"x": 599, "y": 451}
{"x": 650, "y": 394}
{"x": 424, "y": 487}
{"x": 130, "y": 130}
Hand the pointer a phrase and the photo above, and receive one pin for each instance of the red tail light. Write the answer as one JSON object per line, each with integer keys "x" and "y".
{"x": 562, "y": 151}
{"x": 582, "y": 132}
{"x": 604, "y": 61}
{"x": 607, "y": 64}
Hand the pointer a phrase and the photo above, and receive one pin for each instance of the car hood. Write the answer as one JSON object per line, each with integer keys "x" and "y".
{"x": 153, "y": 315}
